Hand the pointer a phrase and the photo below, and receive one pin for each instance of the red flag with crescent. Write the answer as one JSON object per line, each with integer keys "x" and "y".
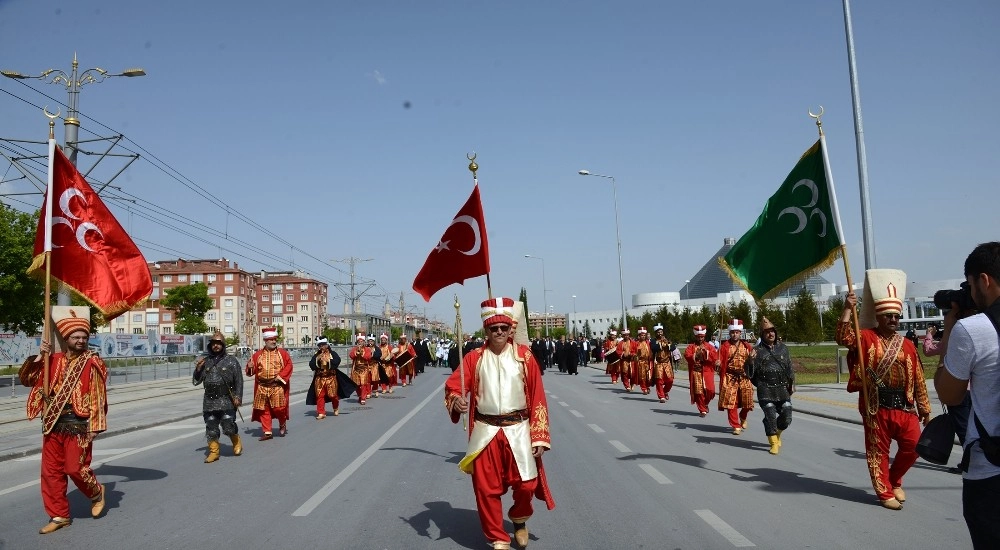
{"x": 462, "y": 252}
{"x": 90, "y": 251}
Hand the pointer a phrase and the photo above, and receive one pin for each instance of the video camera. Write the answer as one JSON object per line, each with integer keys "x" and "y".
{"x": 963, "y": 297}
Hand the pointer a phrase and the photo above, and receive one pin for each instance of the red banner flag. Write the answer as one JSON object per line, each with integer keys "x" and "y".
{"x": 462, "y": 252}
{"x": 91, "y": 252}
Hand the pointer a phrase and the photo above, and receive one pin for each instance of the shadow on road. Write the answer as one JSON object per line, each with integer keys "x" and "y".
{"x": 732, "y": 441}
{"x": 416, "y": 450}
{"x": 673, "y": 412}
{"x": 783, "y": 481}
{"x": 112, "y": 497}
{"x": 456, "y": 524}
{"x": 701, "y": 427}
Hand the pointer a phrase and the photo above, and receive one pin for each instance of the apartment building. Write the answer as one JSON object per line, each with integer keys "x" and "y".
{"x": 232, "y": 290}
{"x": 293, "y": 301}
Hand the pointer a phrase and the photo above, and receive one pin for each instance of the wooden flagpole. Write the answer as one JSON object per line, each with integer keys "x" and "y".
{"x": 47, "y": 323}
{"x": 862, "y": 371}
{"x": 458, "y": 342}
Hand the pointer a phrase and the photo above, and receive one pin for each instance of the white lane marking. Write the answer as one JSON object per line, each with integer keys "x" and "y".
{"x": 553, "y": 396}
{"x": 596, "y": 428}
{"x": 576, "y": 413}
{"x": 564, "y": 404}
{"x": 620, "y": 446}
{"x": 724, "y": 529}
{"x": 98, "y": 463}
{"x": 331, "y": 486}
{"x": 655, "y": 474}
{"x": 830, "y": 422}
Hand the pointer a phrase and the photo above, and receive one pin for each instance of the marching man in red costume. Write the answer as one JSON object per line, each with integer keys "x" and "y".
{"x": 510, "y": 429}
{"x": 407, "y": 370}
{"x": 643, "y": 360}
{"x": 626, "y": 350}
{"x": 897, "y": 399}
{"x": 736, "y": 393}
{"x": 385, "y": 353}
{"x": 701, "y": 358}
{"x": 611, "y": 356}
{"x": 271, "y": 369}
{"x": 76, "y": 413}
{"x": 362, "y": 358}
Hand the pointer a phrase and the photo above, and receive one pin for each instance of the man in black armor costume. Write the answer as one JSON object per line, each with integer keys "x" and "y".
{"x": 223, "y": 379}
{"x": 771, "y": 372}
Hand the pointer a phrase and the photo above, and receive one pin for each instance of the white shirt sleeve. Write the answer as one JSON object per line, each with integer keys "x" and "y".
{"x": 960, "y": 353}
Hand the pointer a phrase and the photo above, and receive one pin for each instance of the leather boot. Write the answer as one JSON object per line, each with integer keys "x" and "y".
{"x": 773, "y": 440}
{"x": 55, "y": 524}
{"x": 892, "y": 504}
{"x": 97, "y": 504}
{"x": 213, "y": 451}
{"x": 521, "y": 534}
{"x": 237, "y": 444}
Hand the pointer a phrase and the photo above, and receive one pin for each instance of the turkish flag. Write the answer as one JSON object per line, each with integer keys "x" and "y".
{"x": 91, "y": 252}
{"x": 462, "y": 252}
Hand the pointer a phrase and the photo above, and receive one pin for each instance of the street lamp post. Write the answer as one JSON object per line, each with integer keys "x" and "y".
{"x": 545, "y": 299}
{"x": 73, "y": 82}
{"x": 621, "y": 280}
{"x": 575, "y": 321}
{"x": 71, "y": 122}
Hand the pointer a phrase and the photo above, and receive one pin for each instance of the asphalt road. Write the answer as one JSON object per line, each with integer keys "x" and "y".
{"x": 626, "y": 471}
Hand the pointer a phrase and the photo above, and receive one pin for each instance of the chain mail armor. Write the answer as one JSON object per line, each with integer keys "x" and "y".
{"x": 222, "y": 377}
{"x": 771, "y": 372}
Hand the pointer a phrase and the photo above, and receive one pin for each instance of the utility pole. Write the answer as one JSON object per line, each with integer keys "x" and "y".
{"x": 353, "y": 296}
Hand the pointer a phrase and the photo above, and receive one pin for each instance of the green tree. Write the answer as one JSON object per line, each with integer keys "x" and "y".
{"x": 742, "y": 312}
{"x": 190, "y": 303}
{"x": 831, "y": 316}
{"x": 803, "y": 319}
{"x": 233, "y": 341}
{"x": 766, "y": 308}
{"x": 337, "y": 335}
{"x": 523, "y": 298}
{"x": 21, "y": 296}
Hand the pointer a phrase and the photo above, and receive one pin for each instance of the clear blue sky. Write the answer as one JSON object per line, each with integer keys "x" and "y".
{"x": 294, "y": 114}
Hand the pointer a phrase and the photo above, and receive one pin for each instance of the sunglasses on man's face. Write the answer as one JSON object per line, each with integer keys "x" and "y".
{"x": 499, "y": 328}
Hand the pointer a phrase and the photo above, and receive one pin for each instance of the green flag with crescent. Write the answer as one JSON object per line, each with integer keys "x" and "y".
{"x": 796, "y": 236}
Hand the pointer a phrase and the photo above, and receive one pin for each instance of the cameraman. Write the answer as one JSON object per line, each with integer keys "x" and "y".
{"x": 972, "y": 359}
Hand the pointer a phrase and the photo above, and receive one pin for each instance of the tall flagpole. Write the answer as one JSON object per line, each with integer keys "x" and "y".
{"x": 835, "y": 210}
{"x": 473, "y": 167}
{"x": 458, "y": 342}
{"x": 859, "y": 138}
{"x": 47, "y": 251}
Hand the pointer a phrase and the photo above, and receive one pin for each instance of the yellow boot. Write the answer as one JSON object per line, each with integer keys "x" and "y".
{"x": 213, "y": 451}
{"x": 237, "y": 444}
{"x": 779, "y": 438}
{"x": 773, "y": 440}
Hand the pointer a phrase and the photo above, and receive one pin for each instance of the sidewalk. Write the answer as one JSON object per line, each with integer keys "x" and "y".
{"x": 133, "y": 406}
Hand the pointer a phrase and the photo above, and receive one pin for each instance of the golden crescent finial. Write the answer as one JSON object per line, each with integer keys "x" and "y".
{"x": 473, "y": 167}
{"x": 52, "y": 121}
{"x": 819, "y": 123}
{"x": 457, "y": 305}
